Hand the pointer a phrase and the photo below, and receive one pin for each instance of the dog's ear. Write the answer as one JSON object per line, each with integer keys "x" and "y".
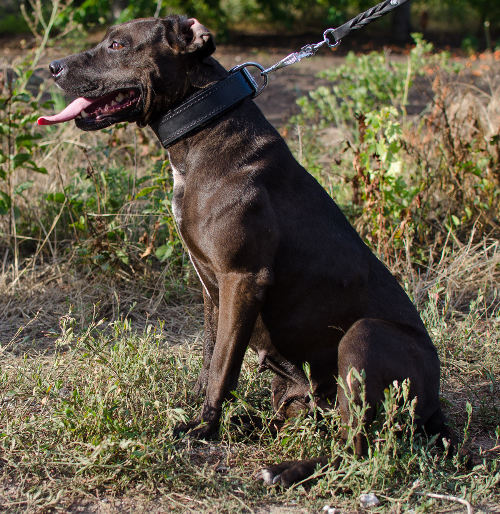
{"x": 189, "y": 36}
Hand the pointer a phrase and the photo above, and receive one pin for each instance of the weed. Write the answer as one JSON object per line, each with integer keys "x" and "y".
{"x": 401, "y": 187}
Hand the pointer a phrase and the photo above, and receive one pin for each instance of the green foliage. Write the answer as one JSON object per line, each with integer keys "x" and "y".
{"x": 382, "y": 195}
{"x": 396, "y": 182}
{"x": 17, "y": 121}
{"x": 367, "y": 82}
{"x": 159, "y": 197}
{"x": 12, "y": 24}
{"x": 484, "y": 9}
{"x": 101, "y": 215}
{"x": 117, "y": 222}
{"x": 466, "y": 16}
{"x": 99, "y": 12}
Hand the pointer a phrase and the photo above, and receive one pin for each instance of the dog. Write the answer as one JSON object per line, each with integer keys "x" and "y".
{"x": 283, "y": 272}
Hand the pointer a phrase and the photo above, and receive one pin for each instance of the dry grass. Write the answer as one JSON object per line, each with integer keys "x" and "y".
{"x": 86, "y": 470}
{"x": 93, "y": 377}
{"x": 462, "y": 271}
{"x": 30, "y": 310}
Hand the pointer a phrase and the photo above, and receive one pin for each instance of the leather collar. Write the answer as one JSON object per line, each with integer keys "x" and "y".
{"x": 204, "y": 106}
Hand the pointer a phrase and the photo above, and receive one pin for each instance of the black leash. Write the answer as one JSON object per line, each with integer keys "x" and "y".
{"x": 366, "y": 17}
{"x": 207, "y": 104}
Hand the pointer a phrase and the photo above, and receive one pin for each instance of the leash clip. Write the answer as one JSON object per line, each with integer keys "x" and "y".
{"x": 306, "y": 51}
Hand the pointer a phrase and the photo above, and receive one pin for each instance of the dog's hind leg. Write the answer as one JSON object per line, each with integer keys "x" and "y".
{"x": 386, "y": 352}
{"x": 389, "y": 352}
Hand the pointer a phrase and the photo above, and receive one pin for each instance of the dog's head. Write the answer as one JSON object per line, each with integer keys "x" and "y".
{"x": 140, "y": 68}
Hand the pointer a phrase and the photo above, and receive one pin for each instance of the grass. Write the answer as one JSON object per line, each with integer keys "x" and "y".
{"x": 90, "y": 419}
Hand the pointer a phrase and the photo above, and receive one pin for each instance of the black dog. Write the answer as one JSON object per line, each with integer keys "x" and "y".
{"x": 282, "y": 269}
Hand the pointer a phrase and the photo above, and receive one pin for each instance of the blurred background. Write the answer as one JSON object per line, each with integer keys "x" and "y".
{"x": 472, "y": 24}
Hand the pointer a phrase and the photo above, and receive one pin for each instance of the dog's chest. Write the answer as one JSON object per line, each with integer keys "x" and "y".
{"x": 179, "y": 184}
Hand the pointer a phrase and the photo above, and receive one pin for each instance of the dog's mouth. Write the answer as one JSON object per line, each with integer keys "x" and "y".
{"x": 97, "y": 113}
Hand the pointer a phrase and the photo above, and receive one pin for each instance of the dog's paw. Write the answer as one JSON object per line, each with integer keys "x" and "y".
{"x": 195, "y": 430}
{"x": 284, "y": 474}
{"x": 269, "y": 475}
{"x": 289, "y": 473}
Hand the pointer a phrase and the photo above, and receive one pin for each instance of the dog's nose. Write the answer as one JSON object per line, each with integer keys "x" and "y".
{"x": 56, "y": 68}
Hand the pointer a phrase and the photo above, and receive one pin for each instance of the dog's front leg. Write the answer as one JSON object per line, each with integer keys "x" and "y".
{"x": 240, "y": 299}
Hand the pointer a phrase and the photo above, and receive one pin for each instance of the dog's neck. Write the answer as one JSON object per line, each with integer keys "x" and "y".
{"x": 204, "y": 106}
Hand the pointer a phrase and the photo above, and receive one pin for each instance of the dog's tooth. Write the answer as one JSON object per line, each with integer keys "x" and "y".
{"x": 120, "y": 97}
{"x": 84, "y": 114}
{"x": 113, "y": 103}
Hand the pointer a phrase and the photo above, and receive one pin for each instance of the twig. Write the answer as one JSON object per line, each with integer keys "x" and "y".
{"x": 449, "y": 498}
{"x": 404, "y": 102}
{"x": 158, "y": 9}
{"x": 187, "y": 498}
{"x": 4, "y": 262}
{"x": 245, "y": 506}
{"x": 16, "y": 335}
{"x": 68, "y": 201}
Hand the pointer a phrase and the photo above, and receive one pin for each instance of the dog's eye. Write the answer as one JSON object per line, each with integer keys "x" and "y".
{"x": 116, "y": 46}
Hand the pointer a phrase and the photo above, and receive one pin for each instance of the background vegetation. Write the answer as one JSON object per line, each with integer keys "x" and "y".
{"x": 476, "y": 22}
{"x": 98, "y": 293}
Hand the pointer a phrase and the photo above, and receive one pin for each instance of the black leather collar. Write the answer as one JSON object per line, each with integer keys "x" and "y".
{"x": 204, "y": 106}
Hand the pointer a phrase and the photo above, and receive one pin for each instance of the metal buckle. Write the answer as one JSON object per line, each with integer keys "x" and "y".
{"x": 258, "y": 89}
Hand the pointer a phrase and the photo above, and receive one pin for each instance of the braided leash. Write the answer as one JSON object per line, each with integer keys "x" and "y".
{"x": 331, "y": 38}
{"x": 366, "y": 17}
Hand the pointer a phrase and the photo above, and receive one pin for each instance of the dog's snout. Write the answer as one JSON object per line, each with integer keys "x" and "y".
{"x": 56, "y": 68}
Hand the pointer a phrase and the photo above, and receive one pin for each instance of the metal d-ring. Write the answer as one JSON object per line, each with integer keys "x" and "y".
{"x": 326, "y": 38}
{"x": 258, "y": 89}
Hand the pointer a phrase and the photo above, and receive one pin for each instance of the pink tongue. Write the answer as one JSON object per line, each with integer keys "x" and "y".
{"x": 69, "y": 113}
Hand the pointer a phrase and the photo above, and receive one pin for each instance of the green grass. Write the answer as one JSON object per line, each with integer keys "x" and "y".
{"x": 93, "y": 417}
